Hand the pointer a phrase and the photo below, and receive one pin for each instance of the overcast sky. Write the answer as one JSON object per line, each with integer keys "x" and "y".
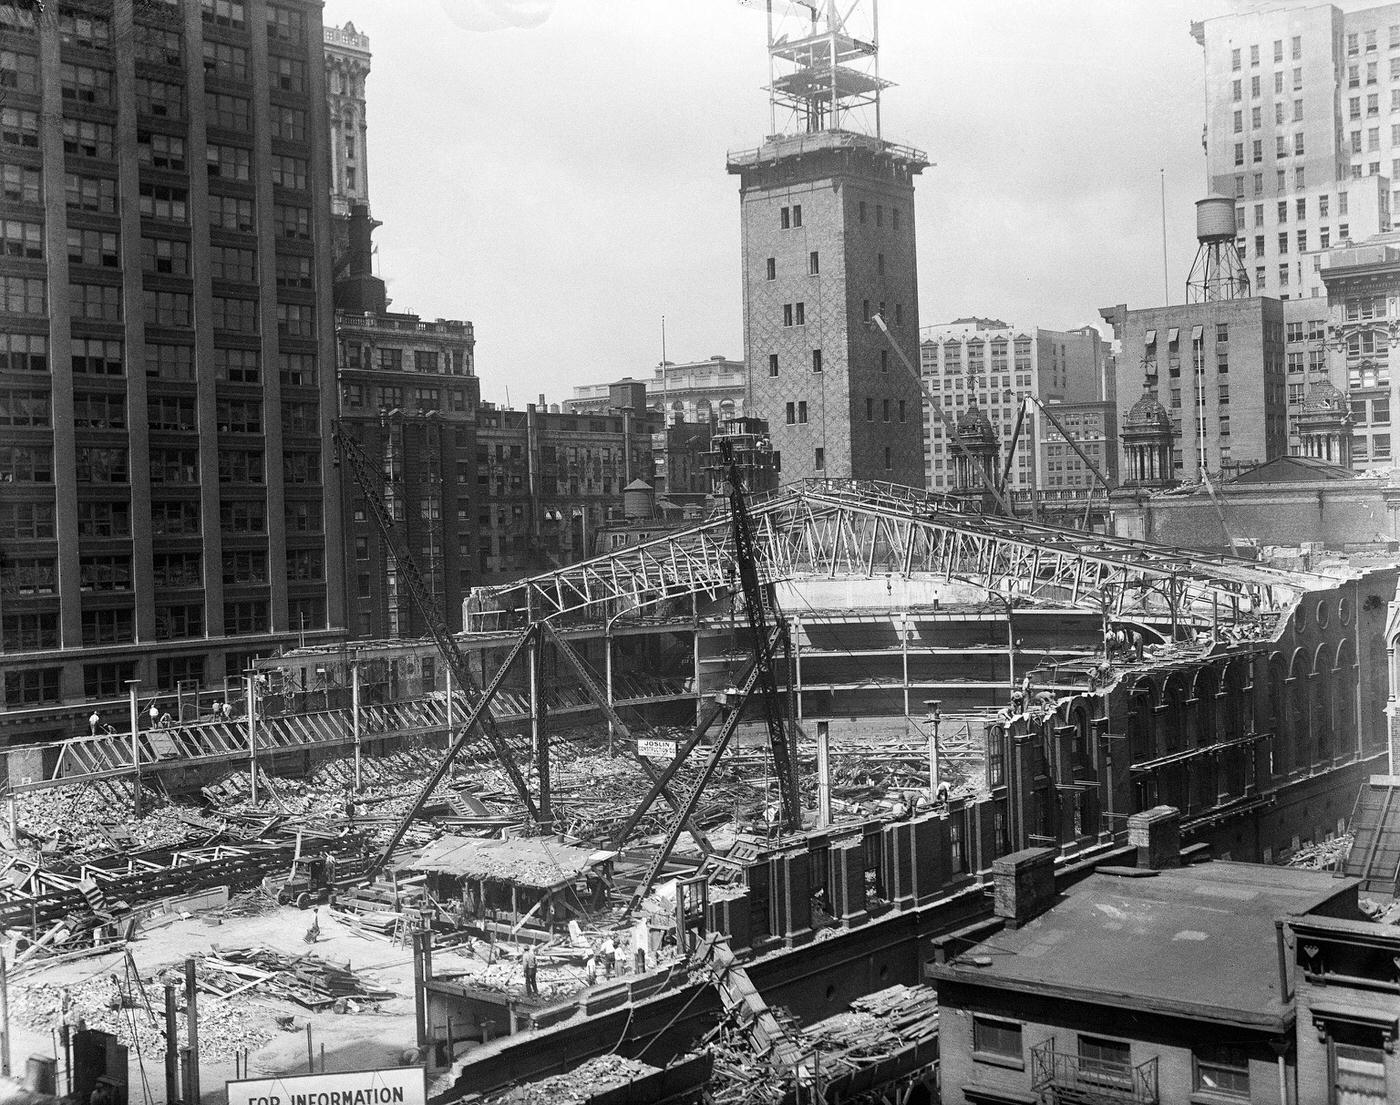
{"x": 562, "y": 184}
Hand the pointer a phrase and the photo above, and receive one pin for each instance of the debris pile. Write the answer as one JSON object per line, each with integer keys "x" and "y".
{"x": 576, "y": 1087}
{"x": 84, "y": 820}
{"x": 311, "y": 982}
{"x": 1325, "y": 855}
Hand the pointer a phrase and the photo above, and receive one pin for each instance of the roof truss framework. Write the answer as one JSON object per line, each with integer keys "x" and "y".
{"x": 828, "y": 529}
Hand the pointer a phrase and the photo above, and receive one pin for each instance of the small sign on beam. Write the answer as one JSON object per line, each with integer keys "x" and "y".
{"x": 656, "y": 749}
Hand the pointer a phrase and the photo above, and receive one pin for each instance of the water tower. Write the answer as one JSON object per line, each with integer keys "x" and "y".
{"x": 1218, "y": 271}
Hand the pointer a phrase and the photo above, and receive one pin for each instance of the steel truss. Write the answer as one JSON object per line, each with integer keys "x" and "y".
{"x": 829, "y": 529}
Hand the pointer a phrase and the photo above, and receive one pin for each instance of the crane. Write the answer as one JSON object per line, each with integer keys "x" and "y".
{"x": 353, "y": 456}
{"x": 769, "y": 632}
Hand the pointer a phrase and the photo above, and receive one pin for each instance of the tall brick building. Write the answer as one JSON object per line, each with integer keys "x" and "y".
{"x": 827, "y": 216}
{"x": 166, "y": 327}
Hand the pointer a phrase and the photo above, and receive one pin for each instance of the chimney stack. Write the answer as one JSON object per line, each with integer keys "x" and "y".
{"x": 1023, "y": 884}
{"x": 1156, "y": 834}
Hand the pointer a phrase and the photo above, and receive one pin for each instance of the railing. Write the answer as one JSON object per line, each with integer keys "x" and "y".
{"x": 1072, "y": 1079}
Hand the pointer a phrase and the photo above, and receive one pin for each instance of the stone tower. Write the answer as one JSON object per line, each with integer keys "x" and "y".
{"x": 827, "y": 215}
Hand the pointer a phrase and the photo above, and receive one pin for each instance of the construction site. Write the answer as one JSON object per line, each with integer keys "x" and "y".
{"x": 684, "y": 820}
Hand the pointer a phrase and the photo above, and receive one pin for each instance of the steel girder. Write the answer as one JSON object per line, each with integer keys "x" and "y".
{"x": 830, "y": 529}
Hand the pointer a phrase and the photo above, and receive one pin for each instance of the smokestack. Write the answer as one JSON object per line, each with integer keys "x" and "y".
{"x": 359, "y": 290}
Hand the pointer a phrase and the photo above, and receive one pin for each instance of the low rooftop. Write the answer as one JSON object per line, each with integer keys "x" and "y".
{"x": 1197, "y": 942}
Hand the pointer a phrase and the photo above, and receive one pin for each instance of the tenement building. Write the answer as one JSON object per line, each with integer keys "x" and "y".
{"x": 827, "y": 225}
{"x": 166, "y": 326}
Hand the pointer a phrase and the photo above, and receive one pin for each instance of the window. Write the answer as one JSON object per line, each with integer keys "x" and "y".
{"x": 1104, "y": 1060}
{"x": 99, "y": 410}
{"x": 34, "y": 686}
{"x": 889, "y": 459}
{"x": 288, "y": 123}
{"x": 174, "y": 465}
{"x": 819, "y": 458}
{"x": 772, "y": 268}
{"x": 233, "y": 112}
{"x": 24, "y": 407}
{"x": 233, "y": 263}
{"x": 160, "y": 151}
{"x": 24, "y": 239}
{"x": 296, "y": 320}
{"x": 89, "y": 193}
{"x": 796, "y": 214}
{"x": 425, "y": 360}
{"x": 169, "y": 362}
{"x": 96, "y": 357}
{"x": 244, "y": 566}
{"x": 772, "y": 364}
{"x": 22, "y": 295}
{"x": 290, "y": 172}
{"x": 16, "y": 18}
{"x": 174, "y": 670}
{"x": 231, "y": 213}
{"x": 800, "y": 313}
{"x": 293, "y": 271}
{"x": 869, "y": 409}
{"x": 85, "y": 85}
{"x": 298, "y": 369}
{"x": 885, "y": 412}
{"x": 174, "y": 518}
{"x": 243, "y": 515}
{"x": 237, "y": 366}
{"x": 107, "y": 680}
{"x": 787, "y": 314}
{"x": 163, "y": 308}
{"x": 287, "y": 74}
{"x": 229, "y": 162}
{"x": 284, "y": 25}
{"x": 19, "y": 128}
{"x": 225, "y": 13}
{"x": 901, "y": 410}
{"x": 291, "y": 221}
{"x": 27, "y": 521}
{"x": 240, "y": 465}
{"x": 159, "y": 98}
{"x": 174, "y": 620}
{"x": 235, "y": 314}
{"x": 816, "y": 360}
{"x": 814, "y": 265}
{"x": 303, "y": 516}
{"x": 104, "y": 573}
{"x": 20, "y": 184}
{"x": 92, "y": 247}
{"x": 248, "y": 616}
{"x": 785, "y": 218}
{"x": 84, "y": 138}
{"x": 158, "y": 45}
{"x": 802, "y": 412}
{"x": 1358, "y": 1066}
{"x": 163, "y": 201}
{"x": 224, "y": 60}
{"x": 104, "y": 519}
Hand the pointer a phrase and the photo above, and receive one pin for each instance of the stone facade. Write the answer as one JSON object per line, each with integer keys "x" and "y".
{"x": 828, "y": 241}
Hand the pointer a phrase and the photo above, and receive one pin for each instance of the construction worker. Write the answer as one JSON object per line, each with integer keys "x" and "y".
{"x": 94, "y": 720}
{"x": 590, "y": 969}
{"x": 228, "y": 712}
{"x": 609, "y": 957}
{"x": 531, "y": 966}
{"x": 154, "y": 714}
{"x": 218, "y": 710}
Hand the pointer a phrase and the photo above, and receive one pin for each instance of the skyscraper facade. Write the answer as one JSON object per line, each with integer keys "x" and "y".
{"x": 1303, "y": 130}
{"x": 166, "y": 325}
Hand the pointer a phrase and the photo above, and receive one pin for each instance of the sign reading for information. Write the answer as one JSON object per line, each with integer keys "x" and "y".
{"x": 656, "y": 750}
{"x": 393, "y": 1086}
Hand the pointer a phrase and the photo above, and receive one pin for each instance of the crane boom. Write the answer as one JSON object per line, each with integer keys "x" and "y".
{"x": 362, "y": 470}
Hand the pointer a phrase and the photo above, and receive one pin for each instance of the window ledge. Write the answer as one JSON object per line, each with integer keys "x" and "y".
{"x": 1207, "y": 1097}
{"x": 995, "y": 1060}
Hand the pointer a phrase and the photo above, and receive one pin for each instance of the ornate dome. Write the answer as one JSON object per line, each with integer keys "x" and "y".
{"x": 972, "y": 423}
{"x": 1148, "y": 414}
{"x": 1324, "y": 397}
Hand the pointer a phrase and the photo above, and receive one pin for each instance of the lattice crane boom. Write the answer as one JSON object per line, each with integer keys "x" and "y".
{"x": 362, "y": 470}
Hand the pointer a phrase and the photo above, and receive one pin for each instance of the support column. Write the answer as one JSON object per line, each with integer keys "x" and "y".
{"x": 823, "y": 774}
{"x": 538, "y": 740}
{"x": 355, "y": 718}
{"x": 904, "y": 657}
{"x": 135, "y": 720}
{"x": 252, "y": 706}
{"x": 797, "y": 663}
{"x": 608, "y": 682}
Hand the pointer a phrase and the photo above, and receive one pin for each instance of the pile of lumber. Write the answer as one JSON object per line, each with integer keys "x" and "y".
{"x": 311, "y": 982}
{"x": 1325, "y": 855}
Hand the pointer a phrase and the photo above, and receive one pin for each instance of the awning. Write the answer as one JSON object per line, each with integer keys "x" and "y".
{"x": 1151, "y": 338}
{"x": 1172, "y": 335}
{"x": 1197, "y": 332}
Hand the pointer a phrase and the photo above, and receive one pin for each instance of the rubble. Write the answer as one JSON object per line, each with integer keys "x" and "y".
{"x": 1325, "y": 855}
{"x": 307, "y": 980}
{"x": 575, "y": 1087}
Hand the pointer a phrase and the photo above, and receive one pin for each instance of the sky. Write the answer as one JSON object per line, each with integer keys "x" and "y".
{"x": 561, "y": 182}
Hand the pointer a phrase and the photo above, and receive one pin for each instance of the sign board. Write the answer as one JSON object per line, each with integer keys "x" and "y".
{"x": 665, "y": 751}
{"x": 392, "y": 1086}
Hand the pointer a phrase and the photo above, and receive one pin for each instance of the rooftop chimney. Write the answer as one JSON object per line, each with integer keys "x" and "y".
{"x": 1023, "y": 884}
{"x": 1156, "y": 834}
